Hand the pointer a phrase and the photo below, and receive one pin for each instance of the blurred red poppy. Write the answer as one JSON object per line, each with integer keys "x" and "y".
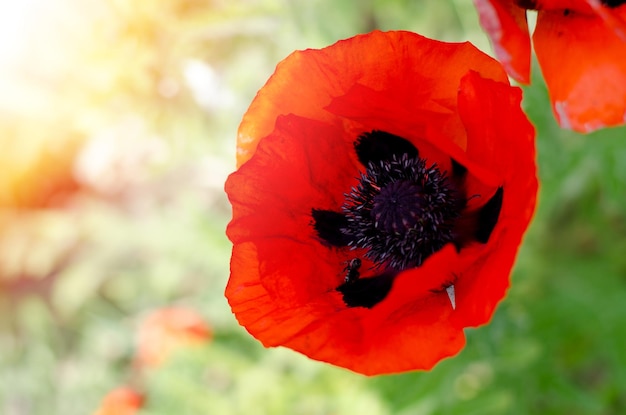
{"x": 385, "y": 183}
{"x": 580, "y": 46}
{"x": 121, "y": 401}
{"x": 164, "y": 331}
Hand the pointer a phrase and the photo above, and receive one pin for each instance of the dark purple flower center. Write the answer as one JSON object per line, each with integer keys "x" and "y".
{"x": 396, "y": 208}
{"x": 401, "y": 212}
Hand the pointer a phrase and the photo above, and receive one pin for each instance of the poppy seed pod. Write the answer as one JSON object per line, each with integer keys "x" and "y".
{"x": 384, "y": 186}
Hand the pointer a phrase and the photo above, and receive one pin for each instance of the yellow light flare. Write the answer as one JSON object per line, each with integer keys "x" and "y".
{"x": 59, "y": 65}
{"x": 37, "y": 154}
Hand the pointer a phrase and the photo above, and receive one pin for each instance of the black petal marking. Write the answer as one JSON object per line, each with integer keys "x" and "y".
{"x": 367, "y": 292}
{"x": 488, "y": 216}
{"x": 328, "y": 225}
{"x": 376, "y": 146}
{"x": 527, "y": 4}
{"x": 612, "y": 3}
{"x": 459, "y": 171}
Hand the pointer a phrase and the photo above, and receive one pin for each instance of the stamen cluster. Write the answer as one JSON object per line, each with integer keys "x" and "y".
{"x": 401, "y": 212}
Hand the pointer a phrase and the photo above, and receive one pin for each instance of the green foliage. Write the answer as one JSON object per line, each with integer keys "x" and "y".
{"x": 76, "y": 276}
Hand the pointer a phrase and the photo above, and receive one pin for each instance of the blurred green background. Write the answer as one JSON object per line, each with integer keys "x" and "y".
{"x": 118, "y": 121}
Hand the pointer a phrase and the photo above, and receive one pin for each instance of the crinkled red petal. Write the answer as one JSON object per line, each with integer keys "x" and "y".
{"x": 505, "y": 23}
{"x": 410, "y": 330}
{"x": 420, "y": 71}
{"x": 433, "y": 133}
{"x": 614, "y": 18}
{"x": 501, "y": 138}
{"x": 582, "y": 63}
{"x": 303, "y": 164}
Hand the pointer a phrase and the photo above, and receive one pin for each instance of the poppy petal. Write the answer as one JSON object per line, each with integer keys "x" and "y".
{"x": 506, "y": 147}
{"x": 580, "y": 60}
{"x": 613, "y": 13}
{"x": 321, "y": 75}
{"x": 505, "y": 23}
{"x": 272, "y": 197}
{"x": 386, "y": 339}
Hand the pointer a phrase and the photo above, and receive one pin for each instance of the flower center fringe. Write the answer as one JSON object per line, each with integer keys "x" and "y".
{"x": 401, "y": 212}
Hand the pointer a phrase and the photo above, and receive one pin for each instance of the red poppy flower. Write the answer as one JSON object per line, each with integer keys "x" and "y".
{"x": 580, "y": 46}
{"x": 121, "y": 401}
{"x": 384, "y": 186}
{"x": 167, "y": 330}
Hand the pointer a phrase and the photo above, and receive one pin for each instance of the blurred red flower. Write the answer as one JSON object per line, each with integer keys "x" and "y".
{"x": 580, "y": 46}
{"x": 384, "y": 186}
{"x": 164, "y": 331}
{"x": 121, "y": 401}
